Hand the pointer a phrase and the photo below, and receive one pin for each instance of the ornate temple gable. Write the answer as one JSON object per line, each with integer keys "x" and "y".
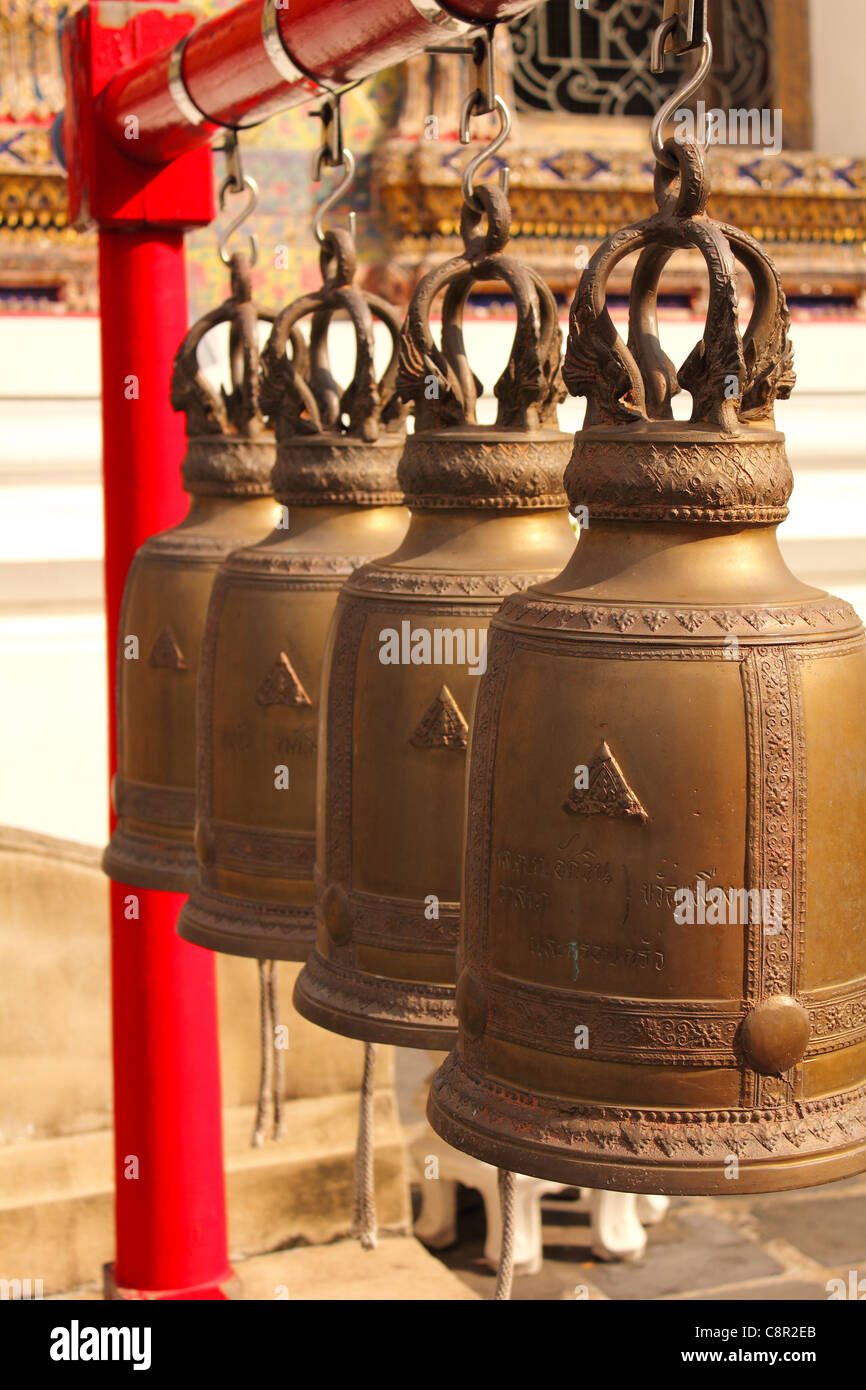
{"x": 578, "y": 160}
{"x": 31, "y": 88}
{"x": 579, "y": 165}
{"x": 43, "y": 264}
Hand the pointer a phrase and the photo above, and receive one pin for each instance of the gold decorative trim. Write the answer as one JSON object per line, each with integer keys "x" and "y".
{"x": 811, "y": 207}
{"x": 653, "y": 1032}
{"x": 815, "y": 617}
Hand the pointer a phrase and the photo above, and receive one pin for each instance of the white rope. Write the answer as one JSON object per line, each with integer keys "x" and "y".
{"x": 272, "y": 1073}
{"x": 266, "y": 1055}
{"x": 279, "y": 1130}
{"x": 364, "y": 1203}
{"x": 507, "y": 1183}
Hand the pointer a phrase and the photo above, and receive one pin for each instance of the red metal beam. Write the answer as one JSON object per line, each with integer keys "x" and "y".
{"x": 267, "y": 55}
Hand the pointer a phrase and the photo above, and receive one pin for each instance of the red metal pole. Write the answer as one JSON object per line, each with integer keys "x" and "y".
{"x": 170, "y": 1195}
{"x": 170, "y": 1206}
{"x": 264, "y": 56}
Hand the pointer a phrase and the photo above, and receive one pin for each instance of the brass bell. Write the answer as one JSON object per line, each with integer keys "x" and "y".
{"x": 488, "y": 517}
{"x": 663, "y": 960}
{"x": 336, "y": 480}
{"x": 226, "y": 471}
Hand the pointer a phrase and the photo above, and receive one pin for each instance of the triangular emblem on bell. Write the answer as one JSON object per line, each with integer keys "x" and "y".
{"x": 443, "y": 725}
{"x": 409, "y": 645}
{"x": 226, "y": 471}
{"x": 165, "y": 653}
{"x": 662, "y": 979}
{"x": 282, "y": 686}
{"x": 335, "y": 477}
{"x": 601, "y": 789}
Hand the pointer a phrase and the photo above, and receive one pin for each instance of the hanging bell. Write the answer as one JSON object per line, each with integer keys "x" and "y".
{"x": 663, "y": 963}
{"x": 226, "y": 472}
{"x": 488, "y": 517}
{"x": 336, "y": 481}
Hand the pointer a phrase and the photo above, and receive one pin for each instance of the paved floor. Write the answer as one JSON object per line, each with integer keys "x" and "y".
{"x": 783, "y": 1246}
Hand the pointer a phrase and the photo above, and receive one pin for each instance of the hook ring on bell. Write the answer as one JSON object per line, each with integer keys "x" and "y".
{"x": 682, "y": 94}
{"x": 488, "y": 151}
{"x": 347, "y": 162}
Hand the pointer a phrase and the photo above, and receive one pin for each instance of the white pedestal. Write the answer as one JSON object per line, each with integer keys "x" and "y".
{"x": 617, "y": 1219}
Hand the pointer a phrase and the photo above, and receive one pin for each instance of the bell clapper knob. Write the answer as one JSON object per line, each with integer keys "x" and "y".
{"x": 774, "y": 1035}
{"x": 472, "y": 1003}
{"x": 337, "y": 914}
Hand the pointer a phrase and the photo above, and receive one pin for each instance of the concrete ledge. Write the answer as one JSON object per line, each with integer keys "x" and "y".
{"x": 56, "y": 1200}
{"x": 398, "y": 1270}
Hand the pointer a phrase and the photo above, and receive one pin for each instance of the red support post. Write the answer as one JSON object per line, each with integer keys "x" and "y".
{"x": 170, "y": 1186}
{"x": 170, "y": 1203}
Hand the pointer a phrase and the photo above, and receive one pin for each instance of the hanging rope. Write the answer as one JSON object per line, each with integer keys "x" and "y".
{"x": 364, "y": 1203}
{"x": 272, "y": 1074}
{"x": 279, "y": 1129}
{"x": 507, "y": 1183}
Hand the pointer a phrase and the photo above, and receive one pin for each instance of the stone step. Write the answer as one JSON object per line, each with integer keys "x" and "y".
{"x": 56, "y": 1207}
{"x": 398, "y": 1270}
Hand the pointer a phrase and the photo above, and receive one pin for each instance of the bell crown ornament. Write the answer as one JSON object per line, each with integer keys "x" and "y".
{"x": 230, "y": 450}
{"x": 619, "y": 467}
{"x": 335, "y": 478}
{"x": 451, "y": 460}
{"x": 662, "y": 964}
{"x": 226, "y": 470}
{"x": 488, "y": 517}
{"x": 334, "y": 444}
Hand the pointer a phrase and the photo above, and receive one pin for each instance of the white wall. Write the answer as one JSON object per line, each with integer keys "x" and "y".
{"x": 838, "y": 42}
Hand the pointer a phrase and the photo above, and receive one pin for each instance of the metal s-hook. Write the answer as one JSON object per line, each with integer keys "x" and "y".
{"x": 482, "y": 102}
{"x": 347, "y": 162}
{"x": 474, "y": 99}
{"x": 236, "y": 181}
{"x": 687, "y": 88}
{"x": 333, "y": 155}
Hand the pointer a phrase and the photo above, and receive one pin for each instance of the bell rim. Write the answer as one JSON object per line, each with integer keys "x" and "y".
{"x": 353, "y": 1018}
{"x": 169, "y": 866}
{"x": 222, "y": 924}
{"x": 664, "y": 1180}
{"x": 492, "y": 1144}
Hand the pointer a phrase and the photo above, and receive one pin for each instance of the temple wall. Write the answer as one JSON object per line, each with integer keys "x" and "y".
{"x": 838, "y": 86}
